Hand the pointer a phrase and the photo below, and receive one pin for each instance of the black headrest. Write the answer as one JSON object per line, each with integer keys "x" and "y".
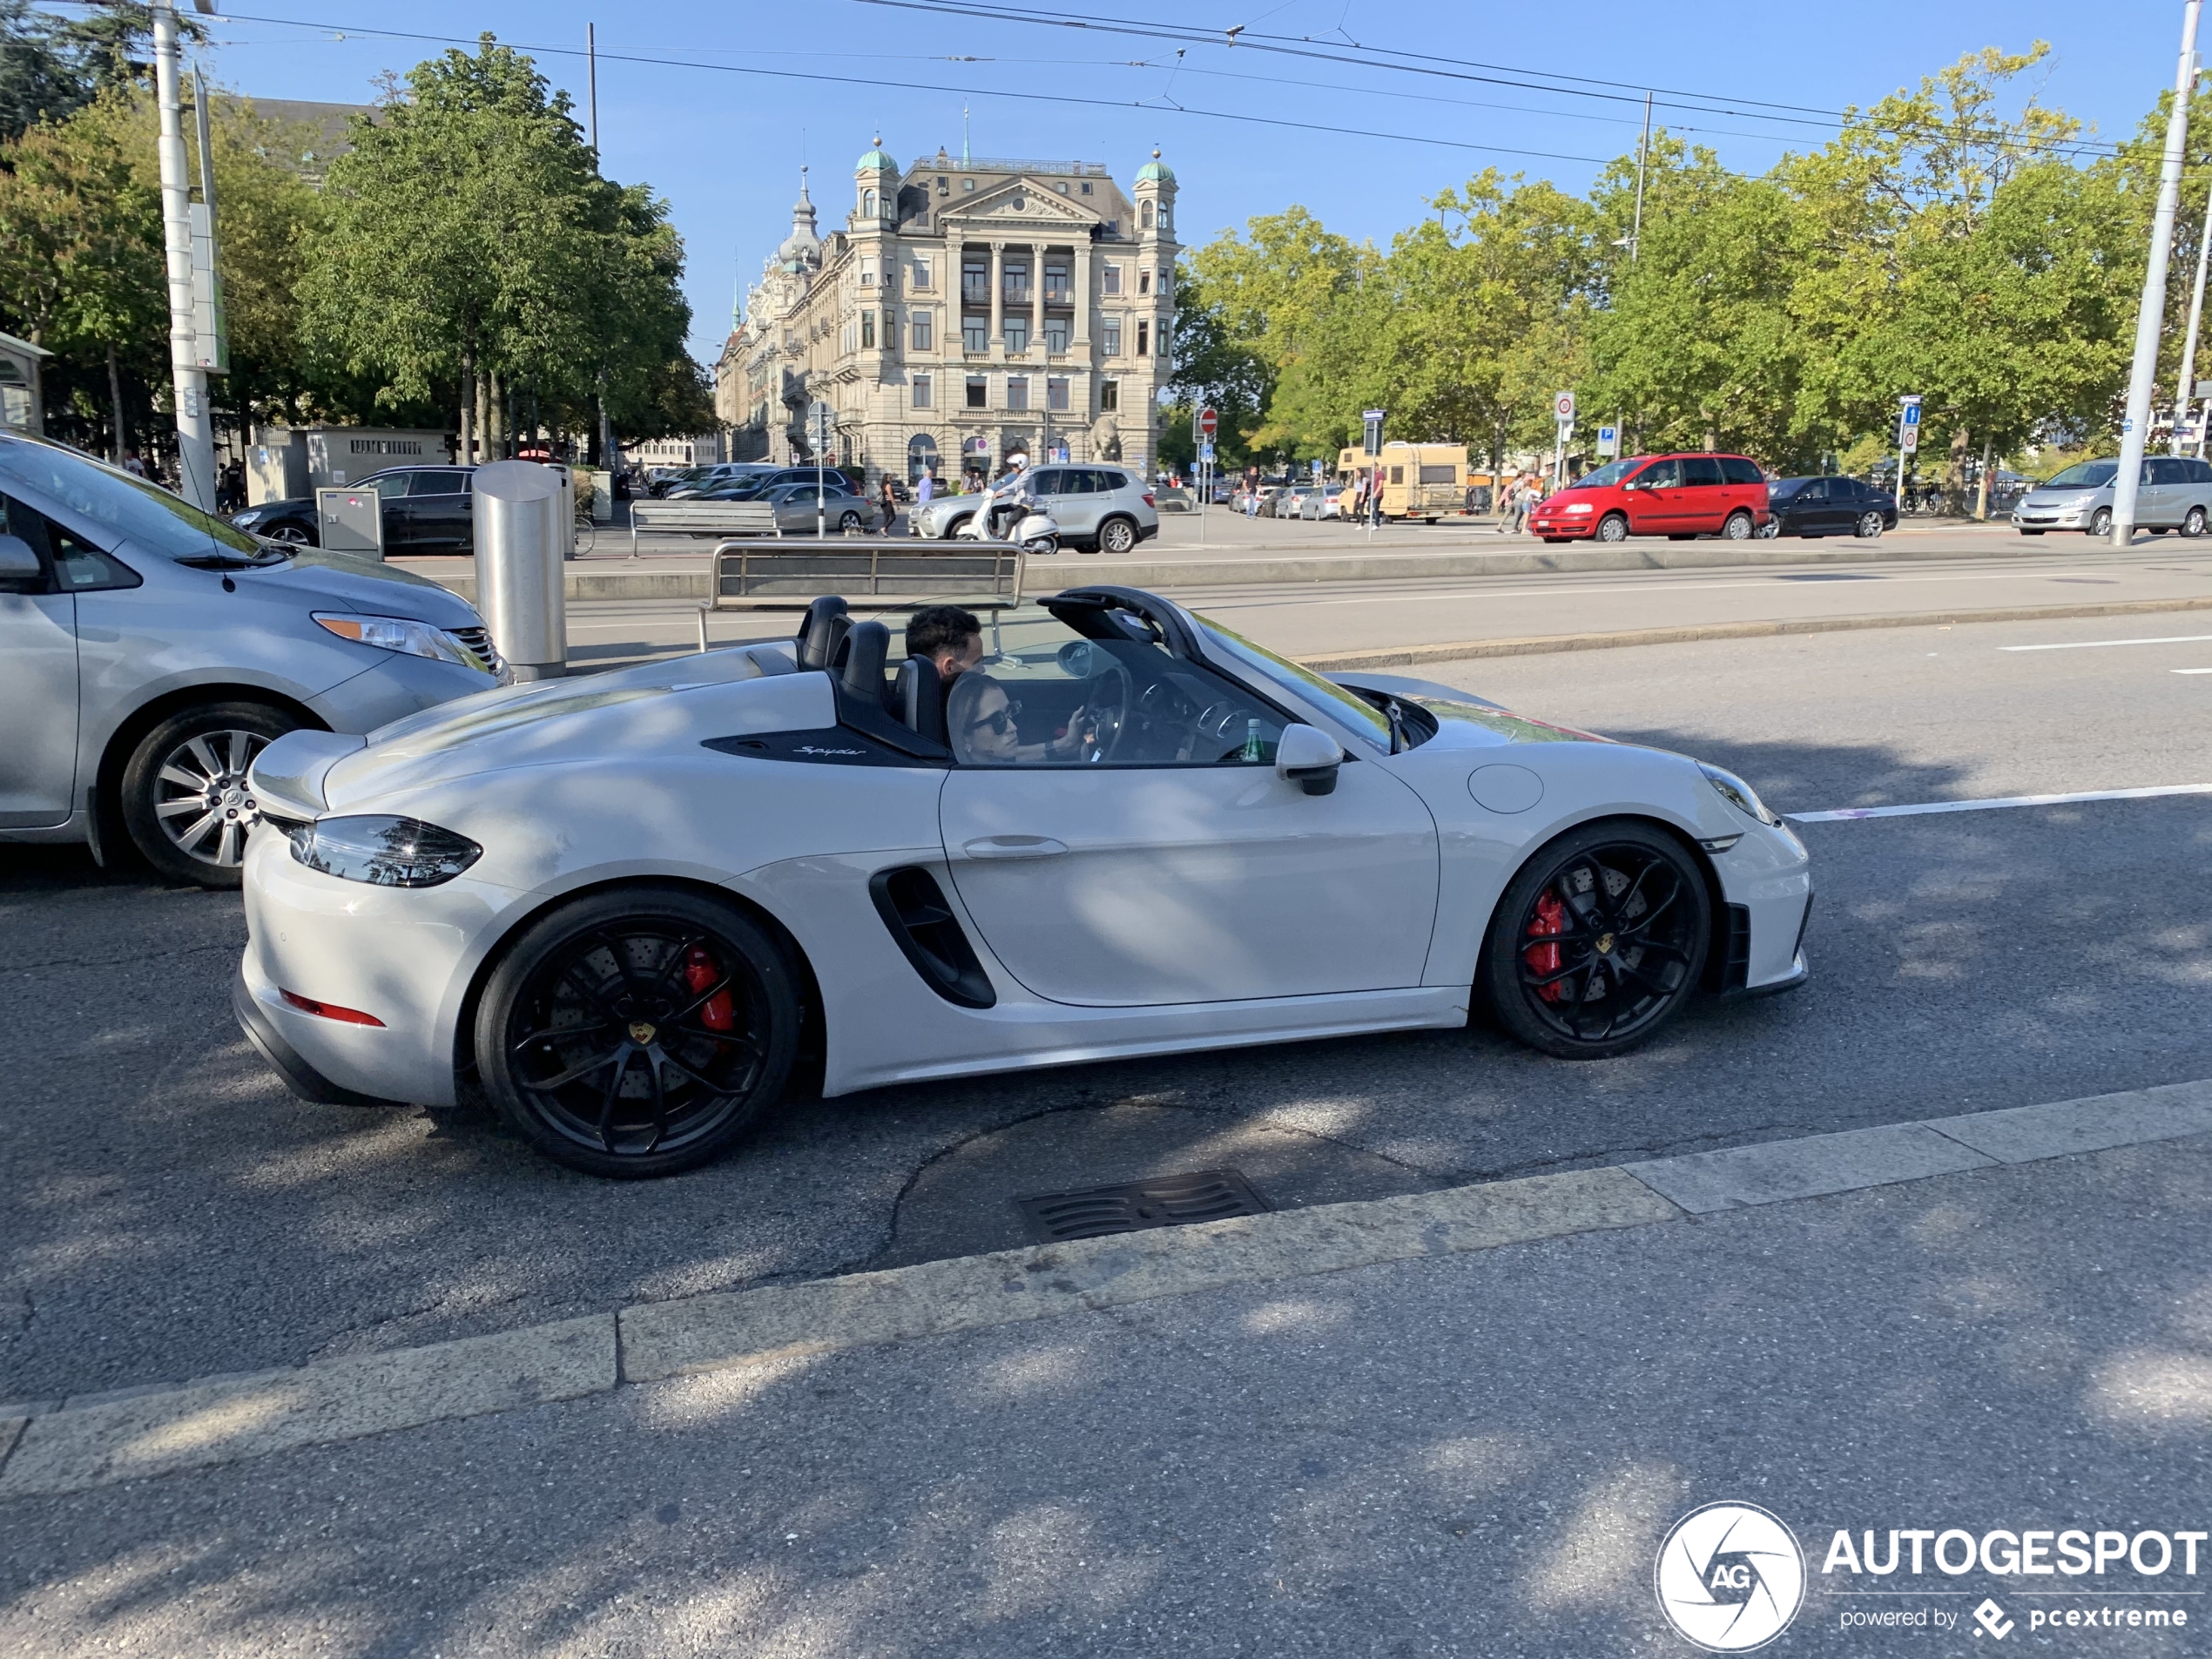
{"x": 868, "y": 647}
{"x": 820, "y": 630}
{"x": 918, "y": 699}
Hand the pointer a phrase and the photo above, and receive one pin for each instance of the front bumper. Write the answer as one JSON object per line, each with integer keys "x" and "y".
{"x": 1579, "y": 528}
{"x": 1766, "y": 884}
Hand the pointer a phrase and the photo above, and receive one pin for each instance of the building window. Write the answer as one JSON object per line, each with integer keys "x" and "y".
{"x": 921, "y": 391}
{"x": 867, "y": 329}
{"x": 867, "y": 273}
{"x": 979, "y": 392}
{"x": 922, "y": 219}
{"x": 1017, "y": 391}
{"x": 867, "y": 204}
{"x": 1055, "y": 335}
{"x": 1113, "y": 229}
{"x": 1164, "y": 275}
{"x": 1056, "y": 291}
{"x": 921, "y": 456}
{"x": 1017, "y": 281}
{"x": 1110, "y": 278}
{"x": 1110, "y": 394}
{"x": 944, "y": 187}
{"x": 1164, "y": 218}
{"x": 967, "y": 184}
{"x": 1144, "y": 216}
{"x": 1144, "y": 337}
{"x": 1144, "y": 282}
{"x": 1055, "y": 392}
{"x": 1017, "y": 333}
{"x": 921, "y": 270}
{"x": 975, "y": 334}
{"x": 976, "y": 279}
{"x": 1086, "y": 186}
{"x": 922, "y": 331}
{"x": 1109, "y": 337}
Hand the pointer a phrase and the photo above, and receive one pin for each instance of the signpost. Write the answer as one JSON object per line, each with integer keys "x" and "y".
{"x": 1371, "y": 422}
{"x": 1203, "y": 424}
{"x": 1563, "y": 411}
{"x": 1908, "y": 439}
{"x": 820, "y": 418}
{"x": 1608, "y": 441}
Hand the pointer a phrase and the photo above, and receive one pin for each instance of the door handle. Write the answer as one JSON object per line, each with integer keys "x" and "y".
{"x": 1013, "y": 847}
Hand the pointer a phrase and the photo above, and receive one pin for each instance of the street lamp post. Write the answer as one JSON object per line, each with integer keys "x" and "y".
{"x": 2134, "y": 435}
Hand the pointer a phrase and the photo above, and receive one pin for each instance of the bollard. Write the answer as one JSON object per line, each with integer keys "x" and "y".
{"x": 522, "y": 535}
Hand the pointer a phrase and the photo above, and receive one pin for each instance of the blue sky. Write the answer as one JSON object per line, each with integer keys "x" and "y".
{"x": 724, "y": 148}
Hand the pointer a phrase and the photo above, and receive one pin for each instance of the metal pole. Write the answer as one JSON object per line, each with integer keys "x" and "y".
{"x": 2135, "y": 432}
{"x": 591, "y": 75}
{"x": 1635, "y": 253}
{"x": 2189, "y": 350}
{"x": 195, "y": 427}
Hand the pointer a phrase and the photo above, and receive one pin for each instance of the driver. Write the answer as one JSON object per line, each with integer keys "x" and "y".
{"x": 981, "y": 717}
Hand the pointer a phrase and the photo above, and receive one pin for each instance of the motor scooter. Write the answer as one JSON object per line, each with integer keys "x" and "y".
{"x": 1034, "y": 530}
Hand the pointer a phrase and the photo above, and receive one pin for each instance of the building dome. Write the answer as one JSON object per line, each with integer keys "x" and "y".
{"x": 802, "y": 248}
{"x": 1155, "y": 171}
{"x": 876, "y": 160}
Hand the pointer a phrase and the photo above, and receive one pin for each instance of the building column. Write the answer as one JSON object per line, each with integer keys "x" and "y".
{"x": 1080, "y": 259}
{"x": 998, "y": 296}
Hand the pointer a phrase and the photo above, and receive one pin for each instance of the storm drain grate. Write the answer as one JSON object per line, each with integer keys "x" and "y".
{"x": 1170, "y": 1201}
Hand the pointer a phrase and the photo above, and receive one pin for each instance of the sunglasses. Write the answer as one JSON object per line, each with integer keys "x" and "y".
{"x": 1000, "y": 720}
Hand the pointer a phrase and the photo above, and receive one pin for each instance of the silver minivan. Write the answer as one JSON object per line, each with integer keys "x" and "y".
{"x": 149, "y": 651}
{"x": 2175, "y": 494}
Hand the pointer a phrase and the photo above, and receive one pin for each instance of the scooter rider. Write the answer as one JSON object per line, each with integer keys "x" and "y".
{"x": 1013, "y": 496}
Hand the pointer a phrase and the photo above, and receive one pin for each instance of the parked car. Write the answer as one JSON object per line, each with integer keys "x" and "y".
{"x": 425, "y": 509}
{"x": 1679, "y": 496}
{"x": 839, "y": 509}
{"x": 696, "y": 482}
{"x": 1325, "y": 500}
{"x": 2175, "y": 493}
{"x": 757, "y": 482}
{"x": 1831, "y": 505}
{"x": 925, "y": 885}
{"x": 1099, "y": 508}
{"x": 149, "y": 651}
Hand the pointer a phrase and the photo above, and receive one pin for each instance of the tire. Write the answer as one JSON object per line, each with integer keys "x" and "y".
{"x": 605, "y": 979}
{"x": 2101, "y": 524}
{"x": 1613, "y": 527}
{"x": 1770, "y": 529}
{"x": 2029, "y": 532}
{"x": 1738, "y": 527}
{"x": 1870, "y": 527}
{"x": 2193, "y": 524}
{"x": 1677, "y": 535}
{"x": 848, "y": 521}
{"x": 186, "y": 804}
{"x": 1116, "y": 536}
{"x": 1596, "y": 886}
{"x": 953, "y": 527}
{"x": 1038, "y": 546}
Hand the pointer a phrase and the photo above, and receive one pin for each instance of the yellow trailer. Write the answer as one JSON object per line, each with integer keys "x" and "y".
{"x": 1422, "y": 481}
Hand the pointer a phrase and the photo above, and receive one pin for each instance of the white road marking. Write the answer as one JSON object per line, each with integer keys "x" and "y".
{"x": 2189, "y": 671}
{"x": 2093, "y": 645}
{"x": 1842, "y": 813}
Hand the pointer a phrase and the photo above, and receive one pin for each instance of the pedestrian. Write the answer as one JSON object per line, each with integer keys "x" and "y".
{"x": 888, "y": 500}
{"x": 925, "y": 486}
{"x": 132, "y": 465}
{"x": 1506, "y": 498}
{"x": 1522, "y": 490}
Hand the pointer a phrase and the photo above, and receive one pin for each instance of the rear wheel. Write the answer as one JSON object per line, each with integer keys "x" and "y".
{"x": 291, "y": 534}
{"x": 848, "y": 521}
{"x": 638, "y": 1032}
{"x": 1116, "y": 536}
{"x": 1598, "y": 942}
{"x": 2193, "y": 525}
{"x": 186, "y": 804}
{"x": 1738, "y": 527}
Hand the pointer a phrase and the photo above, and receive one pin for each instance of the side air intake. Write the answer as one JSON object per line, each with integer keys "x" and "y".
{"x": 914, "y": 907}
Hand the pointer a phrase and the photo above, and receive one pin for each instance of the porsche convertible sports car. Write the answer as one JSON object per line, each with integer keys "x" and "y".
{"x": 628, "y": 908}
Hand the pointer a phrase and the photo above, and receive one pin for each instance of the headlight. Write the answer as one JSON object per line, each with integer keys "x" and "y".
{"x": 1576, "y": 507}
{"x": 403, "y": 634}
{"x": 1739, "y": 794}
{"x": 384, "y": 852}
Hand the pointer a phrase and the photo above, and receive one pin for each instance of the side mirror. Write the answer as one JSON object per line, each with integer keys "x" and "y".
{"x": 1309, "y": 758}
{"x": 18, "y": 561}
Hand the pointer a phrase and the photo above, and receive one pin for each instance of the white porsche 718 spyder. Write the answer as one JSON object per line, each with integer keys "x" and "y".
{"x": 624, "y": 908}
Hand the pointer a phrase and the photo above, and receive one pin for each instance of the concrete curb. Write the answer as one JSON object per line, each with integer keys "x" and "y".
{"x": 1544, "y": 645}
{"x": 79, "y": 1447}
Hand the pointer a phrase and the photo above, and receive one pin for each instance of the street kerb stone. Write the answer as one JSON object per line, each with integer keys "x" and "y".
{"x": 280, "y": 1410}
{"x": 1810, "y": 1167}
{"x": 2028, "y": 1133}
{"x": 709, "y": 1333}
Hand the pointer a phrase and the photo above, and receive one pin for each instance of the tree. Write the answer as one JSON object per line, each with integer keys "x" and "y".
{"x": 51, "y": 67}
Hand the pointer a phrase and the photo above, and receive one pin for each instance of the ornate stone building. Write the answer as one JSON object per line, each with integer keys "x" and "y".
{"x": 966, "y": 309}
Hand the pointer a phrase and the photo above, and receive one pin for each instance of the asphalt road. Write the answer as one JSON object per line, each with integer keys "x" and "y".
{"x": 173, "y": 1213}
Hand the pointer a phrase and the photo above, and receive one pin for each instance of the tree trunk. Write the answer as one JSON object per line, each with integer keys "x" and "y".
{"x": 467, "y": 408}
{"x": 495, "y": 424}
{"x": 1981, "y": 501}
{"x": 121, "y": 436}
{"x": 1955, "y": 465}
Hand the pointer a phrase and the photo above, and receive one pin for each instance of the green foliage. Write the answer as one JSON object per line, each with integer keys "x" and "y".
{"x": 51, "y": 67}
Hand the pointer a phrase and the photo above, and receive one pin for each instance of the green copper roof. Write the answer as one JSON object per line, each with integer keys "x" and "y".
{"x": 876, "y": 160}
{"x": 1155, "y": 171}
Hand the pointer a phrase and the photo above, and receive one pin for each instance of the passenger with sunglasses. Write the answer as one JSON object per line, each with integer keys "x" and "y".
{"x": 981, "y": 717}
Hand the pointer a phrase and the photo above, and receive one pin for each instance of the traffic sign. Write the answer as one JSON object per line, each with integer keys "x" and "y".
{"x": 1913, "y": 415}
{"x": 1608, "y": 439}
{"x": 1208, "y": 422}
{"x": 1564, "y": 406}
{"x": 1205, "y": 450}
{"x": 1910, "y": 440}
{"x": 1371, "y": 421}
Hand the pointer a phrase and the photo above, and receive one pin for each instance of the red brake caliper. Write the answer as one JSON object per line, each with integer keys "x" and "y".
{"x": 699, "y": 971}
{"x": 1551, "y": 918}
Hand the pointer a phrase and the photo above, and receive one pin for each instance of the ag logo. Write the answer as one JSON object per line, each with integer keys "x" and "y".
{"x": 1731, "y": 1577}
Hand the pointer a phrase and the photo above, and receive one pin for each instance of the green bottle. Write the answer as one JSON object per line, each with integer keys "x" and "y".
{"x": 1254, "y": 751}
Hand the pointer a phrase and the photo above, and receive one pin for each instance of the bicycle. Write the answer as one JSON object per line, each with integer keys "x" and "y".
{"x": 587, "y": 533}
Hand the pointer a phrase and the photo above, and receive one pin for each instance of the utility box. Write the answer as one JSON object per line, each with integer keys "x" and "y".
{"x": 350, "y": 520}
{"x": 524, "y": 529}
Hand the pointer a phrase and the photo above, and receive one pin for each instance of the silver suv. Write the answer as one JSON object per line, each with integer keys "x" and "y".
{"x": 149, "y": 651}
{"x": 1099, "y": 508}
{"x": 2175, "y": 494}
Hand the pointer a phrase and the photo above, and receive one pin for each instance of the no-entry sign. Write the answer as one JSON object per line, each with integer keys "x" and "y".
{"x": 1207, "y": 420}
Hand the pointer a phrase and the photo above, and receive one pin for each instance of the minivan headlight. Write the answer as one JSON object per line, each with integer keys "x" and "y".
{"x": 1739, "y": 794}
{"x": 383, "y": 852}
{"x": 402, "y": 634}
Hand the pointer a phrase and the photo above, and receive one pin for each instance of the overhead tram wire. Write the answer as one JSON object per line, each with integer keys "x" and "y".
{"x": 908, "y": 85}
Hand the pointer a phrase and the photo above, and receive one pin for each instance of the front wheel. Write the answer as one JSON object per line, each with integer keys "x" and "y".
{"x": 1116, "y": 536}
{"x": 1598, "y": 942}
{"x": 186, "y": 804}
{"x": 1869, "y": 526}
{"x": 1613, "y": 527}
{"x": 2101, "y": 524}
{"x": 638, "y": 1032}
{"x": 1738, "y": 527}
{"x": 1771, "y": 529}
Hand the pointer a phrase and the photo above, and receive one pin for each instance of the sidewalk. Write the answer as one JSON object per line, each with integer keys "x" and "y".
{"x": 1472, "y": 1444}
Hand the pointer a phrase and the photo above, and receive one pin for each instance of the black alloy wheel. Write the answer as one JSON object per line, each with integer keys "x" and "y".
{"x": 1869, "y": 526}
{"x": 638, "y": 1032}
{"x": 1599, "y": 940}
{"x": 187, "y": 804}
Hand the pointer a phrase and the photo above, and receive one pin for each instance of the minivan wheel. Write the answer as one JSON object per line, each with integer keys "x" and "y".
{"x": 1613, "y": 527}
{"x": 186, "y": 801}
{"x": 2101, "y": 522}
{"x": 1738, "y": 527}
{"x": 1116, "y": 536}
{"x": 2193, "y": 524}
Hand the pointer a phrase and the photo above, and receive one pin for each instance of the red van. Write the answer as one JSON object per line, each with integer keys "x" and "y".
{"x": 1677, "y": 496}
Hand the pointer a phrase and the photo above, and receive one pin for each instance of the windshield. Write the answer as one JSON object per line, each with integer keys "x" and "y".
{"x": 1353, "y": 711}
{"x": 128, "y": 507}
{"x": 2085, "y": 474}
{"x": 1611, "y": 473}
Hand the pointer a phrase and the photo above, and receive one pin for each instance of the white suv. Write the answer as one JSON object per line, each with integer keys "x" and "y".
{"x": 1099, "y": 508}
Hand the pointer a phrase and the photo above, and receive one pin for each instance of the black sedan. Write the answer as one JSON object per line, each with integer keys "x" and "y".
{"x": 425, "y": 509}
{"x": 1829, "y": 506}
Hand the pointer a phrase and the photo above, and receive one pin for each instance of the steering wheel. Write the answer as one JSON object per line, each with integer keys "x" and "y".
{"x": 1109, "y": 709}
